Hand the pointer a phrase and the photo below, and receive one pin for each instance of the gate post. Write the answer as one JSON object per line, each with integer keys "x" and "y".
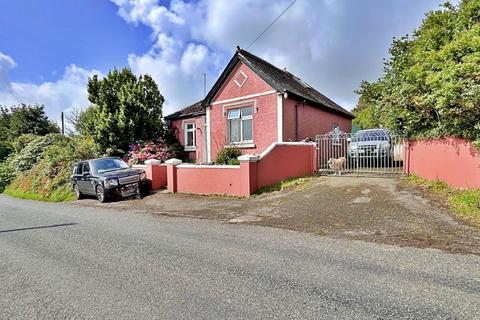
{"x": 314, "y": 153}
{"x": 248, "y": 171}
{"x": 172, "y": 174}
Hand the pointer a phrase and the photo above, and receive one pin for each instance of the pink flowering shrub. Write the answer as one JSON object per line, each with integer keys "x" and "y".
{"x": 140, "y": 152}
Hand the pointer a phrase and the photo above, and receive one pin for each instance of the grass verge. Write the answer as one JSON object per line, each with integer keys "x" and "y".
{"x": 464, "y": 203}
{"x": 297, "y": 184}
{"x": 61, "y": 194}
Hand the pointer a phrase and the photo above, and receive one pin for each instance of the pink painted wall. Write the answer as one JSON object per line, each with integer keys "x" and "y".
{"x": 282, "y": 162}
{"x": 210, "y": 180}
{"x": 286, "y": 161}
{"x": 177, "y": 125}
{"x": 264, "y": 118}
{"x": 253, "y": 84}
{"x": 311, "y": 121}
{"x": 156, "y": 175}
{"x": 452, "y": 160}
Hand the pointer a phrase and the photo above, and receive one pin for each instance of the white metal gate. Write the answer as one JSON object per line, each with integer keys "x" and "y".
{"x": 366, "y": 152}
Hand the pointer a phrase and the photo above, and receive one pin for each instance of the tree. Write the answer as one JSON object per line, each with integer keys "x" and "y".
{"x": 20, "y": 120}
{"x": 24, "y": 119}
{"x": 128, "y": 109}
{"x": 81, "y": 121}
{"x": 365, "y": 109}
{"x": 431, "y": 82}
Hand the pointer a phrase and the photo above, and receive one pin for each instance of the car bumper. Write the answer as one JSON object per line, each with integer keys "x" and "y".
{"x": 117, "y": 190}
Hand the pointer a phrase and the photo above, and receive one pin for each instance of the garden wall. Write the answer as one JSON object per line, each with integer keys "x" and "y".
{"x": 209, "y": 179}
{"x": 282, "y": 160}
{"x": 285, "y": 160}
{"x": 451, "y": 160}
{"x": 156, "y": 173}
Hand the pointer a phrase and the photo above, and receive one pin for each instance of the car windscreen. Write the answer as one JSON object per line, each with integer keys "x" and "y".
{"x": 371, "y": 136}
{"x": 106, "y": 165}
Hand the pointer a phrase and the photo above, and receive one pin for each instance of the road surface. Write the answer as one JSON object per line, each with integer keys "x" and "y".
{"x": 59, "y": 261}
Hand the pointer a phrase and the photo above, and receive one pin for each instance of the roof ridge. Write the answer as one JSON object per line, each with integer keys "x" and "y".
{"x": 264, "y": 61}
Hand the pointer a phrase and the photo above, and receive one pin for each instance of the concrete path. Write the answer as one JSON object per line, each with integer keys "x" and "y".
{"x": 64, "y": 262}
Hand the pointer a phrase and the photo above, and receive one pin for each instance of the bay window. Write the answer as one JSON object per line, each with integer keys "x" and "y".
{"x": 240, "y": 125}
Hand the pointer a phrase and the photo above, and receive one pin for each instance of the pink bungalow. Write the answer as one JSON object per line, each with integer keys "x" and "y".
{"x": 252, "y": 105}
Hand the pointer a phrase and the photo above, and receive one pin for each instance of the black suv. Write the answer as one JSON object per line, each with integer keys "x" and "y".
{"x": 107, "y": 178}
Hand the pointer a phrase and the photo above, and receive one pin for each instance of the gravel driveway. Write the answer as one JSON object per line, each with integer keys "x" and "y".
{"x": 381, "y": 210}
{"x": 59, "y": 261}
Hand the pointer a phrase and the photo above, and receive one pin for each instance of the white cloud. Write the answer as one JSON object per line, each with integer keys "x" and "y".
{"x": 332, "y": 45}
{"x": 70, "y": 91}
{"x": 178, "y": 72}
{"x": 193, "y": 58}
{"x": 6, "y": 63}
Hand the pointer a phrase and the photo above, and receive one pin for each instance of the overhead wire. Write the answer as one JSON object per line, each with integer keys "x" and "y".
{"x": 271, "y": 24}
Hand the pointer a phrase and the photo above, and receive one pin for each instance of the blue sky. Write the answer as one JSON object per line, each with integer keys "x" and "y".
{"x": 45, "y": 36}
{"x": 49, "y": 48}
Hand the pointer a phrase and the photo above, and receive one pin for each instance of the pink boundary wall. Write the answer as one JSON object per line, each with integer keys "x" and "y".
{"x": 451, "y": 160}
{"x": 156, "y": 173}
{"x": 282, "y": 160}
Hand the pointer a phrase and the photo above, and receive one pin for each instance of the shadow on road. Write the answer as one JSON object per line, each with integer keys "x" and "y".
{"x": 40, "y": 227}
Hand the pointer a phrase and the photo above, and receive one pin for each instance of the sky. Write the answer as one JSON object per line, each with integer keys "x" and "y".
{"x": 49, "y": 48}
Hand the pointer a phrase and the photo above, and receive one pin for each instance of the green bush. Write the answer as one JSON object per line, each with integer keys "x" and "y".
{"x": 21, "y": 142}
{"x": 49, "y": 179}
{"x": 7, "y": 174}
{"x": 228, "y": 156}
{"x": 5, "y": 149}
{"x": 431, "y": 85}
{"x": 33, "y": 151}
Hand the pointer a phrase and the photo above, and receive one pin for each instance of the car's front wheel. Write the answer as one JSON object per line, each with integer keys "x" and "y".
{"x": 78, "y": 194}
{"x": 100, "y": 192}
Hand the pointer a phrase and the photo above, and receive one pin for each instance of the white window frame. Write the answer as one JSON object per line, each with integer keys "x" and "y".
{"x": 249, "y": 117}
{"x": 185, "y": 135}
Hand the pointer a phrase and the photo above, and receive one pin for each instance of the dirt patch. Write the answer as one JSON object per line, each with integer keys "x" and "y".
{"x": 372, "y": 209}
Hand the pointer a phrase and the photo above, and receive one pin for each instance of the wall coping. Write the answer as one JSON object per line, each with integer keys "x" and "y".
{"x": 206, "y": 166}
{"x": 256, "y": 157}
{"x": 153, "y": 162}
{"x": 173, "y": 161}
{"x": 273, "y": 145}
{"x": 249, "y": 157}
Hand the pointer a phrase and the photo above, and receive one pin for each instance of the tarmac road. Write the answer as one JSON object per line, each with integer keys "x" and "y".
{"x": 59, "y": 261}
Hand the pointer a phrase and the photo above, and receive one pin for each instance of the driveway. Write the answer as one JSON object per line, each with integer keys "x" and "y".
{"x": 60, "y": 261}
{"x": 384, "y": 210}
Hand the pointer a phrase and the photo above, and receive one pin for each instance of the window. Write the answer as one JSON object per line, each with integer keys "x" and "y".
{"x": 85, "y": 168}
{"x": 107, "y": 165}
{"x": 189, "y": 136}
{"x": 240, "y": 126}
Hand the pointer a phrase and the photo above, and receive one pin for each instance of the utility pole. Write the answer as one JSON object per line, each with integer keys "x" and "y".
{"x": 63, "y": 124}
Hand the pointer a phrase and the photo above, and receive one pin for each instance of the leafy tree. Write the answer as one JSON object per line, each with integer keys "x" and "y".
{"x": 366, "y": 106}
{"x": 19, "y": 120}
{"x": 6, "y": 148}
{"x": 127, "y": 109}
{"x": 24, "y": 119}
{"x": 431, "y": 82}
